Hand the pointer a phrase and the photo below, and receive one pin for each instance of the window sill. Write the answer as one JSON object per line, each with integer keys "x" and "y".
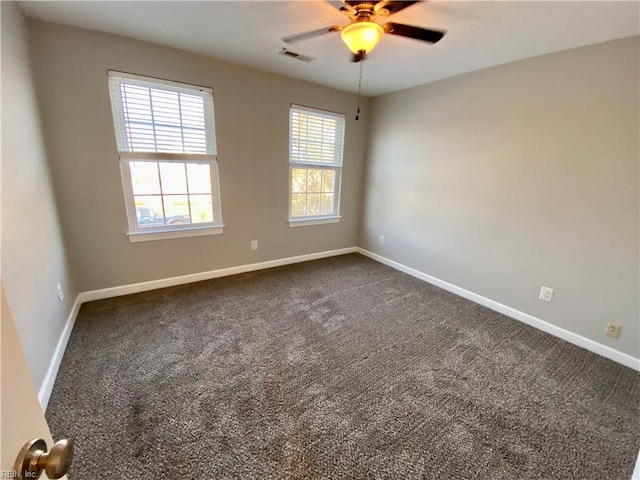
{"x": 174, "y": 233}
{"x": 303, "y": 222}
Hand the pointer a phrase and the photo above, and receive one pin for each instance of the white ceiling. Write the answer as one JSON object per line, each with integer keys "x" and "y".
{"x": 480, "y": 34}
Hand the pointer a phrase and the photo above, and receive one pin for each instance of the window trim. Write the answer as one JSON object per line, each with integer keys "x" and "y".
{"x": 306, "y": 221}
{"x": 134, "y": 232}
{"x": 334, "y": 216}
{"x": 135, "y": 237}
{"x": 145, "y": 79}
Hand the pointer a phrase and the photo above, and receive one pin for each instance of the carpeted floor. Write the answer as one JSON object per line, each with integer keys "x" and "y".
{"x": 340, "y": 368}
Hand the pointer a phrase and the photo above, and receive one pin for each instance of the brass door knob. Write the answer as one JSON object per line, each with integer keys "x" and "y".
{"x": 34, "y": 458}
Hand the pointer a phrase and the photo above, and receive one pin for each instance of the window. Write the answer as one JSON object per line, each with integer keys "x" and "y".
{"x": 315, "y": 165}
{"x": 166, "y": 138}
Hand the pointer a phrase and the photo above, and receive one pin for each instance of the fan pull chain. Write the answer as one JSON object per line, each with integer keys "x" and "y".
{"x": 359, "y": 88}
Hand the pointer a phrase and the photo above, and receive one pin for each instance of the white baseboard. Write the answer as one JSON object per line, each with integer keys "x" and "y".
{"x": 197, "y": 277}
{"x": 46, "y": 386}
{"x": 554, "y": 330}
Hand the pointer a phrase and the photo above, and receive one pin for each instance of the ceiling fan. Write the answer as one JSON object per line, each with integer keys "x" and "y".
{"x": 363, "y": 33}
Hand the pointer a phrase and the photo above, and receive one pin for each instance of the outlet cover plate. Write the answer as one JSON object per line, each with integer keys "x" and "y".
{"x": 546, "y": 294}
{"x": 613, "y": 330}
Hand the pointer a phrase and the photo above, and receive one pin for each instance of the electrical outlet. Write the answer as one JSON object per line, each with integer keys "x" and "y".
{"x": 381, "y": 239}
{"x": 613, "y": 330}
{"x": 546, "y": 294}
{"x": 60, "y": 292}
{"x": 254, "y": 244}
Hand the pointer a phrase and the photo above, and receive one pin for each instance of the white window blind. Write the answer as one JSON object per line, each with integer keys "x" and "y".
{"x": 316, "y": 136}
{"x": 161, "y": 117}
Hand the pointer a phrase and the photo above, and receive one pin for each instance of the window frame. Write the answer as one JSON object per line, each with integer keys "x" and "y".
{"x": 334, "y": 216}
{"x": 139, "y": 234}
{"x": 135, "y": 232}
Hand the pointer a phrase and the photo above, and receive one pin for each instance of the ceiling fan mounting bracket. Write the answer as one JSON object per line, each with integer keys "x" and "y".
{"x": 364, "y": 12}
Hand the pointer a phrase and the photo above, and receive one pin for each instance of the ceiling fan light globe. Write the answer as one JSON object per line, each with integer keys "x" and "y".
{"x": 362, "y": 36}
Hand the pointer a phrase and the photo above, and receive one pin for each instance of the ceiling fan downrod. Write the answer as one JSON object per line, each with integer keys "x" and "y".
{"x": 361, "y": 53}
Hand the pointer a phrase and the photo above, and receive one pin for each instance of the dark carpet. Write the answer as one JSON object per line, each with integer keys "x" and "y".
{"x": 340, "y": 368}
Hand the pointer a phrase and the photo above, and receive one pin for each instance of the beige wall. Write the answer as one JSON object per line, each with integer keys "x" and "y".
{"x": 252, "y": 115}
{"x": 33, "y": 254}
{"x": 518, "y": 176}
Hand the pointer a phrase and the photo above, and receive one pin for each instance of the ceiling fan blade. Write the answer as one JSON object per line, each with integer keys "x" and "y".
{"x": 387, "y": 8}
{"x": 426, "y": 35}
{"x": 342, "y": 6}
{"x": 311, "y": 34}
